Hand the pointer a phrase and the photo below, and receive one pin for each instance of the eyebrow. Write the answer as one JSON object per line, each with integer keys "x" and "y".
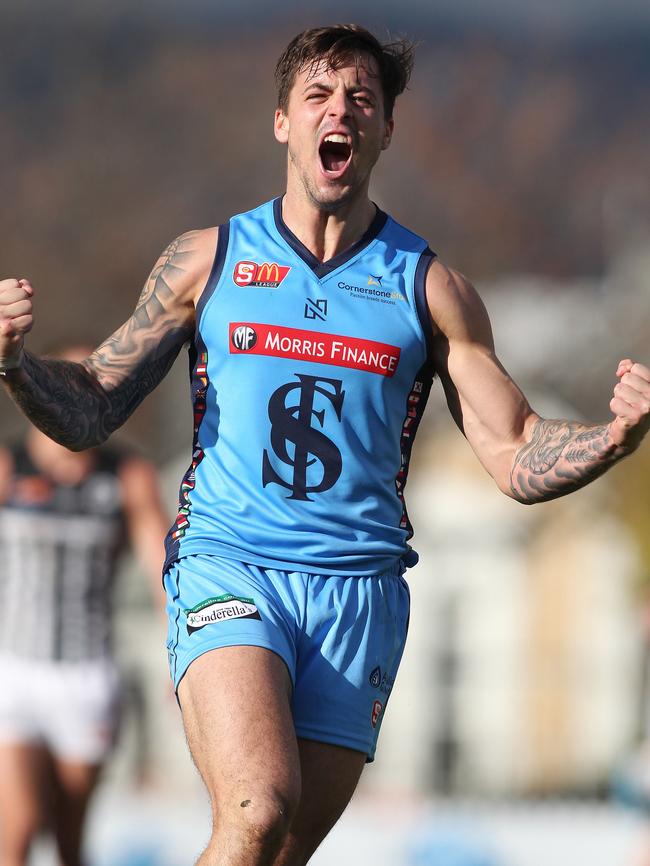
{"x": 328, "y": 88}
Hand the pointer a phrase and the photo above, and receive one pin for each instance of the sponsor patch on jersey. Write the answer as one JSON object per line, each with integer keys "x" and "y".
{"x": 377, "y": 709}
{"x": 339, "y": 351}
{"x": 374, "y": 290}
{"x": 221, "y": 608}
{"x": 267, "y": 275}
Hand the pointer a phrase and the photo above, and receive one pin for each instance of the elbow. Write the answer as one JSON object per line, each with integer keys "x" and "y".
{"x": 81, "y": 440}
{"x": 521, "y": 495}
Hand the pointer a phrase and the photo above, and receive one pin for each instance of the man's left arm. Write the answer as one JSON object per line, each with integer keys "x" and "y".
{"x": 532, "y": 459}
{"x": 147, "y": 521}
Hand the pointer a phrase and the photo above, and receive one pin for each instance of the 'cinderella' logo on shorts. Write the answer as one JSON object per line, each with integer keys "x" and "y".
{"x": 219, "y": 609}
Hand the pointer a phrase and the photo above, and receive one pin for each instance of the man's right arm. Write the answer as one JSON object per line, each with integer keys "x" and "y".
{"x": 80, "y": 405}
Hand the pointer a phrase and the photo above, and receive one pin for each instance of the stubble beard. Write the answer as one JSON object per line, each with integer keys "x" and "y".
{"x": 335, "y": 197}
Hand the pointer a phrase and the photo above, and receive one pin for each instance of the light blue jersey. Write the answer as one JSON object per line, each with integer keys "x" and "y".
{"x": 309, "y": 380}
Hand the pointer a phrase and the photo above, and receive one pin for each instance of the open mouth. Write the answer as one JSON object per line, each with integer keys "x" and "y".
{"x": 335, "y": 153}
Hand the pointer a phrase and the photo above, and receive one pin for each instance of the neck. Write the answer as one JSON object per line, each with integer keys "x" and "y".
{"x": 326, "y": 233}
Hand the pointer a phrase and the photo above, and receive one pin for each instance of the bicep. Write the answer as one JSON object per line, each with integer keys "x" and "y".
{"x": 141, "y": 351}
{"x": 483, "y": 399}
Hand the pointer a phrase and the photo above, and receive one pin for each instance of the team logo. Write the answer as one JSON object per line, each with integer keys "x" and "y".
{"x": 268, "y": 275}
{"x": 244, "y": 338}
{"x": 220, "y": 609}
{"x": 314, "y": 461}
{"x": 375, "y": 678}
{"x": 316, "y": 309}
{"x": 377, "y": 709}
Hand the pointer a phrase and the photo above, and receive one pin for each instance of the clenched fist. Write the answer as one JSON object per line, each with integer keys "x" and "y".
{"x": 15, "y": 319}
{"x": 631, "y": 404}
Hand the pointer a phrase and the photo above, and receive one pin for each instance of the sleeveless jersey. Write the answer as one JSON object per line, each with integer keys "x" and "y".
{"x": 308, "y": 383}
{"x": 58, "y": 547}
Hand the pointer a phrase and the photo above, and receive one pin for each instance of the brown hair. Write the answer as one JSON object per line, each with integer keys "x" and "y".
{"x": 335, "y": 46}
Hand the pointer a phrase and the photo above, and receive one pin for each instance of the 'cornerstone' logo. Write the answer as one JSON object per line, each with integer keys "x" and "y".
{"x": 219, "y": 609}
{"x": 268, "y": 275}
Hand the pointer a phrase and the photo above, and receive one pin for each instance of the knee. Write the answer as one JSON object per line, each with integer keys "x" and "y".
{"x": 259, "y": 821}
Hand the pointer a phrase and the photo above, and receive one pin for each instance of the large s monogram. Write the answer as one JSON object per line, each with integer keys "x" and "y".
{"x": 314, "y": 459}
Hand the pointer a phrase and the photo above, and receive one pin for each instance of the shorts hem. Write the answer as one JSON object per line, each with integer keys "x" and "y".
{"x": 354, "y": 743}
{"x": 232, "y": 640}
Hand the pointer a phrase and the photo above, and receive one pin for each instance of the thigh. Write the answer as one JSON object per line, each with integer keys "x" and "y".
{"x": 214, "y": 602}
{"x": 329, "y": 776}
{"x": 236, "y": 710}
{"x": 23, "y": 795}
{"x": 74, "y": 783}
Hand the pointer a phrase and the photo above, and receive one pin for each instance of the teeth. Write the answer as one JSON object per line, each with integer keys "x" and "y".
{"x": 336, "y": 138}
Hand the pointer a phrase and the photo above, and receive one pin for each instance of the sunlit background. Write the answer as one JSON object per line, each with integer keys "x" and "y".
{"x": 515, "y": 734}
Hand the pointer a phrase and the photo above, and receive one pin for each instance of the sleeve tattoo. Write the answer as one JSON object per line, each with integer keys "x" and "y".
{"x": 80, "y": 405}
{"x": 561, "y": 456}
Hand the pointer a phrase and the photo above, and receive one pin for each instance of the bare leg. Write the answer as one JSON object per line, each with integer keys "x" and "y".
{"x": 329, "y": 778}
{"x": 22, "y": 778}
{"x": 237, "y": 716}
{"x": 74, "y": 784}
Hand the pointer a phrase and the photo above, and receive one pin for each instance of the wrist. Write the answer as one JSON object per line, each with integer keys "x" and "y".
{"x": 8, "y": 365}
{"x": 623, "y": 439}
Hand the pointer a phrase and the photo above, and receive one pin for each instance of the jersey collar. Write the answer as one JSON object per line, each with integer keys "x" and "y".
{"x": 321, "y": 269}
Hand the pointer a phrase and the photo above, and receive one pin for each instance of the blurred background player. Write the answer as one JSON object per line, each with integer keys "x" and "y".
{"x": 65, "y": 518}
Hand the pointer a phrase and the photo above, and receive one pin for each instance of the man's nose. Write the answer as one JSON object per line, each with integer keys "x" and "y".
{"x": 339, "y": 105}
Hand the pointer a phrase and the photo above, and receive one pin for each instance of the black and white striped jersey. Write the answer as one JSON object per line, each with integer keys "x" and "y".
{"x": 58, "y": 551}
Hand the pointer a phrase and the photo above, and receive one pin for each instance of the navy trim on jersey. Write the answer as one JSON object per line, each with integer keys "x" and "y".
{"x": 217, "y": 268}
{"x": 322, "y": 269}
{"x": 416, "y": 402}
{"x": 420, "y": 290}
{"x": 198, "y": 357}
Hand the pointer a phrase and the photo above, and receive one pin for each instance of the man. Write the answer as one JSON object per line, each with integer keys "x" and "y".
{"x": 316, "y": 324}
{"x": 64, "y": 519}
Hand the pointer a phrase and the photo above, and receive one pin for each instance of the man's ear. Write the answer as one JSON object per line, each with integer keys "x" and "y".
{"x": 388, "y": 133}
{"x": 281, "y": 126}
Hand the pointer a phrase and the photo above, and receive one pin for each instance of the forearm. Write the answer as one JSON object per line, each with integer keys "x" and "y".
{"x": 62, "y": 399}
{"x": 560, "y": 457}
{"x": 69, "y": 404}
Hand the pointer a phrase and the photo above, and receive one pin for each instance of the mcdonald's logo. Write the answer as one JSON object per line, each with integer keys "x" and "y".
{"x": 267, "y": 275}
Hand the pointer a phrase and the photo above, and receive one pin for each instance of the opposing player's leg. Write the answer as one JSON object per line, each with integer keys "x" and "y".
{"x": 22, "y": 777}
{"x": 74, "y": 783}
{"x": 236, "y": 706}
{"x": 329, "y": 776}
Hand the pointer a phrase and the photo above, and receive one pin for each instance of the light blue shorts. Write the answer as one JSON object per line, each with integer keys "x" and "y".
{"x": 341, "y": 638}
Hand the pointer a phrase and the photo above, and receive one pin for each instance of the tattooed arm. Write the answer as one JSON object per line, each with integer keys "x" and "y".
{"x": 530, "y": 458}
{"x": 80, "y": 405}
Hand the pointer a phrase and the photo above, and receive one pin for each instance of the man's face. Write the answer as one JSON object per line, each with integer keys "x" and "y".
{"x": 335, "y": 129}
